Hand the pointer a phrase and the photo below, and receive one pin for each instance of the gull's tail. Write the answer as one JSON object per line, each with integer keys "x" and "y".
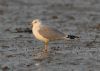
{"x": 72, "y": 36}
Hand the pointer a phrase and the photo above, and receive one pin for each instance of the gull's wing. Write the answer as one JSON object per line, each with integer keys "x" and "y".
{"x": 50, "y": 33}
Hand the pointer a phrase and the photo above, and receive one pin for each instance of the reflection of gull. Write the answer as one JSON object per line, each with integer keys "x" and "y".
{"x": 41, "y": 56}
{"x": 46, "y": 33}
{"x": 40, "y": 66}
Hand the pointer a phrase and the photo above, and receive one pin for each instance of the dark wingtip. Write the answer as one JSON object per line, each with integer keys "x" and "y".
{"x": 72, "y": 36}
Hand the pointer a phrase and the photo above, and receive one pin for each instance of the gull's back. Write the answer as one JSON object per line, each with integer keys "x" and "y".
{"x": 50, "y": 32}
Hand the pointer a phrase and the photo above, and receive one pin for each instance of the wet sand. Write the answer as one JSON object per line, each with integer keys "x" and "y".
{"x": 18, "y": 46}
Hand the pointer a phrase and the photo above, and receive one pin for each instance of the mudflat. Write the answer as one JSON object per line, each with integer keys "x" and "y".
{"x": 18, "y": 46}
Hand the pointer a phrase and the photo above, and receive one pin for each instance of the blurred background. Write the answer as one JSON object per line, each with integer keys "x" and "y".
{"x": 78, "y": 17}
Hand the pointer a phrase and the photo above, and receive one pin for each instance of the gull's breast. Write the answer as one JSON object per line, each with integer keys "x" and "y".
{"x": 39, "y": 36}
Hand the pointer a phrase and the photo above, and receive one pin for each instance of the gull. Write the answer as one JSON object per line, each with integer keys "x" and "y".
{"x": 46, "y": 33}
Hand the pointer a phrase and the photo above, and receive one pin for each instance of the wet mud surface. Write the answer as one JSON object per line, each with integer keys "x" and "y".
{"x": 18, "y": 47}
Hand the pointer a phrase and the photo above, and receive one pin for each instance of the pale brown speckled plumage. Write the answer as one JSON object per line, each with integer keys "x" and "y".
{"x": 51, "y": 33}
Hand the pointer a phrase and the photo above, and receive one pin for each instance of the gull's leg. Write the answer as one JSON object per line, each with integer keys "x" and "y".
{"x": 46, "y": 47}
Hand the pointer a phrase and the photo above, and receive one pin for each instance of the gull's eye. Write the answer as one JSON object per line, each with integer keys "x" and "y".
{"x": 35, "y": 22}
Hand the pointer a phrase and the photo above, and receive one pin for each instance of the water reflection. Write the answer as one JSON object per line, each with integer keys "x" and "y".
{"x": 40, "y": 66}
{"x": 40, "y": 59}
{"x": 41, "y": 56}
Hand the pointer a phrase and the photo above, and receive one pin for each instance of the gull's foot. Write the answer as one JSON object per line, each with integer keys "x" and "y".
{"x": 41, "y": 55}
{"x": 45, "y": 50}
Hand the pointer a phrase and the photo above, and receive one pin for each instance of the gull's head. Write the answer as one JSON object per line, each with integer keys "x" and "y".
{"x": 36, "y": 22}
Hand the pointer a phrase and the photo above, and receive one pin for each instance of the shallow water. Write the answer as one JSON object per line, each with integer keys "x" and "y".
{"x": 78, "y": 17}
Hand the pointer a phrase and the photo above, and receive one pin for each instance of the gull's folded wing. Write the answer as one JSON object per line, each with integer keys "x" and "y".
{"x": 51, "y": 33}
